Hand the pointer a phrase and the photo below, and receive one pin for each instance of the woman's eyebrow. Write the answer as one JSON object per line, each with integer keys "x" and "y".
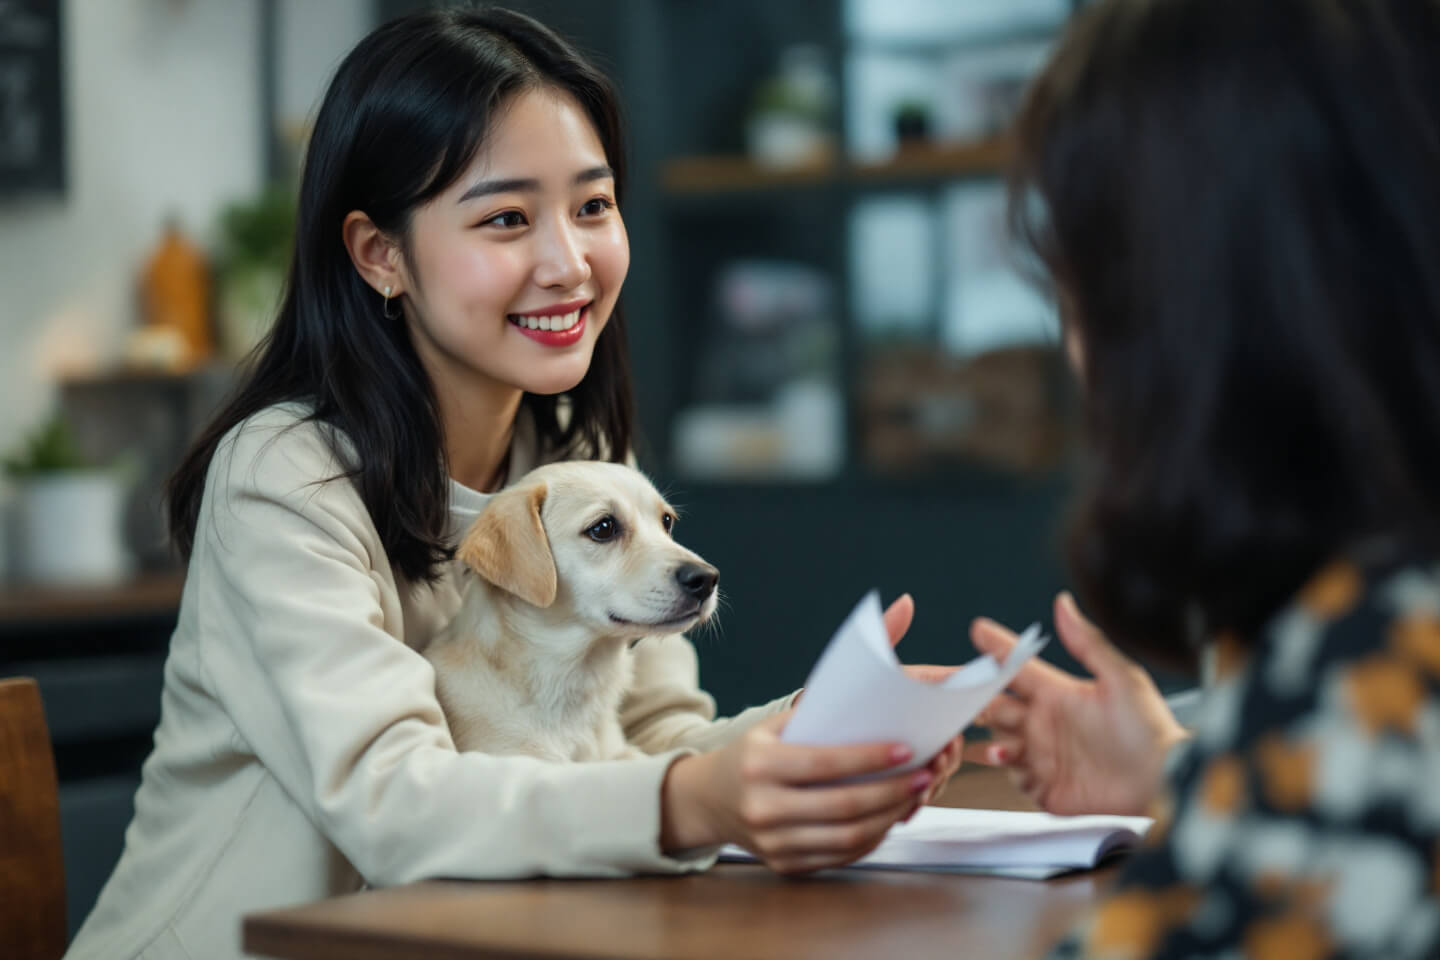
{"x": 529, "y": 185}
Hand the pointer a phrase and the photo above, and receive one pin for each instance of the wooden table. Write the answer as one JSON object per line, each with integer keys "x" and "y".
{"x": 733, "y": 911}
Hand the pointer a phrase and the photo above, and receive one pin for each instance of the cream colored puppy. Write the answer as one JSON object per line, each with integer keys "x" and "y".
{"x": 570, "y": 567}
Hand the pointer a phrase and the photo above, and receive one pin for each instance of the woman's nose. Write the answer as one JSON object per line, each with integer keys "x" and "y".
{"x": 563, "y": 262}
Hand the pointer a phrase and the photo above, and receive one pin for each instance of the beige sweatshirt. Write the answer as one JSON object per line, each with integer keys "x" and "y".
{"x": 301, "y": 751}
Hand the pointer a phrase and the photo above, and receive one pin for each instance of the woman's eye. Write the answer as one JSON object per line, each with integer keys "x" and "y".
{"x": 604, "y": 530}
{"x": 510, "y": 218}
{"x": 596, "y": 207}
{"x": 668, "y": 521}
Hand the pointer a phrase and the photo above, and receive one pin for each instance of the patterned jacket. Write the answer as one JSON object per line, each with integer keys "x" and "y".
{"x": 1305, "y": 813}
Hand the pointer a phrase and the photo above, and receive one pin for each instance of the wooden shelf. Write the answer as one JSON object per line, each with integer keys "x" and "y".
{"x": 689, "y": 175}
{"x": 941, "y": 160}
{"x": 692, "y": 176}
{"x": 149, "y": 595}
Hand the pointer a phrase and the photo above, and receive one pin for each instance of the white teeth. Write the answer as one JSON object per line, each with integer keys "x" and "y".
{"x": 553, "y": 322}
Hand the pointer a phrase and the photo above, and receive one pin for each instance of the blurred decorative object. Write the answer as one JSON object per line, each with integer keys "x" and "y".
{"x": 790, "y": 122}
{"x": 256, "y": 239}
{"x": 912, "y": 122}
{"x": 32, "y": 103}
{"x": 148, "y": 420}
{"x": 175, "y": 299}
{"x": 990, "y": 303}
{"x": 766, "y": 400}
{"x": 892, "y": 266}
{"x": 67, "y": 512}
{"x": 948, "y": 22}
{"x": 922, "y": 408}
{"x": 972, "y": 93}
{"x": 983, "y": 88}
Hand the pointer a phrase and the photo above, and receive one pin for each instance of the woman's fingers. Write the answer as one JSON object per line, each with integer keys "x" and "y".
{"x": 841, "y": 804}
{"x": 843, "y": 841}
{"x": 998, "y": 752}
{"x": 990, "y": 637}
{"x": 898, "y": 617}
{"x": 796, "y": 764}
{"x": 929, "y": 673}
{"x": 1005, "y": 713}
{"x": 1085, "y": 641}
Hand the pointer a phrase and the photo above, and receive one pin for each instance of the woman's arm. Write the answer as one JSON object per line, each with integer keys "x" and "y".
{"x": 299, "y": 621}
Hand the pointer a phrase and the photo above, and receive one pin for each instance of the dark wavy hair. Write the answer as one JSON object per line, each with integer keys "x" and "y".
{"x": 1238, "y": 202}
{"x": 404, "y": 116}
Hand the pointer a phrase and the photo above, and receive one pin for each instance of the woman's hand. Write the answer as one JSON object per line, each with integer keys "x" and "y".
{"x": 780, "y": 802}
{"x": 1079, "y": 746}
{"x": 898, "y": 618}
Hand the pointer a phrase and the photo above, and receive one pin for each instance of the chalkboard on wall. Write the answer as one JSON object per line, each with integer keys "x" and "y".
{"x": 32, "y": 129}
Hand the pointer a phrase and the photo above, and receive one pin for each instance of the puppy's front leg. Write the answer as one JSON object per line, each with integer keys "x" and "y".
{"x": 613, "y": 745}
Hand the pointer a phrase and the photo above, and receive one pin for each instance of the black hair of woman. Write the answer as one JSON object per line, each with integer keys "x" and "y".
{"x": 405, "y": 114}
{"x": 1239, "y": 208}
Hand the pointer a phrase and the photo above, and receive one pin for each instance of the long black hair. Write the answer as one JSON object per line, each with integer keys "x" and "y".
{"x": 403, "y": 117}
{"x": 1239, "y": 204}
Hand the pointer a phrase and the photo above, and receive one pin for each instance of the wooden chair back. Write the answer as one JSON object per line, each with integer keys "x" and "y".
{"x": 32, "y": 868}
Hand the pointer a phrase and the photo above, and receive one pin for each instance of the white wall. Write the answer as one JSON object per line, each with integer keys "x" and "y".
{"x": 162, "y": 102}
{"x": 313, "y": 37}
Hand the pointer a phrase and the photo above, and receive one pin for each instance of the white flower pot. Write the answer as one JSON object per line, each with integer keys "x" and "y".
{"x": 69, "y": 528}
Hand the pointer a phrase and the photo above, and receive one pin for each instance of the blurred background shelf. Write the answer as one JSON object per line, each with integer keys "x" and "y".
{"x": 29, "y": 607}
{"x": 733, "y": 174}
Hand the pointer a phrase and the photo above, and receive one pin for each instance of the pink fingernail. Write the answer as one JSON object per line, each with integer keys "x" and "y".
{"x": 999, "y": 755}
{"x": 921, "y": 781}
{"x": 900, "y": 754}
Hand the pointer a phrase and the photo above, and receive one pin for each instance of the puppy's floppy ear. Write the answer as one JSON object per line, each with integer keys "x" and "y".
{"x": 508, "y": 547}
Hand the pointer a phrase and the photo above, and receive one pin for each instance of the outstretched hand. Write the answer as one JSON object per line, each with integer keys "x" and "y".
{"x": 1078, "y": 746}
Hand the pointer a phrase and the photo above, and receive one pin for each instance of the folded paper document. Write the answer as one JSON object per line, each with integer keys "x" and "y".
{"x": 859, "y": 693}
{"x": 1027, "y": 845}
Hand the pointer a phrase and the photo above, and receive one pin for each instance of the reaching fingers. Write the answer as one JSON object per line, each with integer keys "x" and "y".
{"x": 1005, "y": 713}
{"x": 1085, "y": 641}
{"x": 898, "y": 617}
{"x": 990, "y": 637}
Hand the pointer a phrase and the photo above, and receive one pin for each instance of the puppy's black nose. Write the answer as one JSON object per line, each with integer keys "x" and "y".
{"x": 697, "y": 579}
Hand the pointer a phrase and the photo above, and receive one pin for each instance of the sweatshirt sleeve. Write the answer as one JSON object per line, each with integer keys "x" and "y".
{"x": 301, "y": 643}
{"x": 666, "y": 709}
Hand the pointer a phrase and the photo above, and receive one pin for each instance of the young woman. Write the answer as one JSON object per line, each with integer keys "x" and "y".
{"x": 1241, "y": 212}
{"x": 458, "y": 262}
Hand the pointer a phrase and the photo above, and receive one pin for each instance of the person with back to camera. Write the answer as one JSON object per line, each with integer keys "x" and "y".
{"x": 1239, "y": 205}
{"x": 463, "y": 177}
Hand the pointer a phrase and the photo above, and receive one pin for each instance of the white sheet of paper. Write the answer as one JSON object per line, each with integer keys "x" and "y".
{"x": 858, "y": 692}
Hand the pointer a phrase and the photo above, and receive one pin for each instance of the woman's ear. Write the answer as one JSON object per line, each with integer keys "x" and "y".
{"x": 374, "y": 254}
{"x": 507, "y": 546}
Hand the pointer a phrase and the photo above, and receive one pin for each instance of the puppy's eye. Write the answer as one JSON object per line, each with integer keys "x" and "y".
{"x": 668, "y": 522}
{"x": 606, "y": 529}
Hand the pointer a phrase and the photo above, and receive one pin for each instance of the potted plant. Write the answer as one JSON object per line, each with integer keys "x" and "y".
{"x": 912, "y": 122}
{"x": 256, "y": 239}
{"x": 67, "y": 513}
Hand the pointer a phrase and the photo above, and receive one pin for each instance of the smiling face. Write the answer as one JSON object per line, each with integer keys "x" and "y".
{"x": 513, "y": 271}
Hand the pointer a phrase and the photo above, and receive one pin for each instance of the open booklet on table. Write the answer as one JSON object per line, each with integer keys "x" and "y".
{"x": 858, "y": 692}
{"x": 1026, "y": 845}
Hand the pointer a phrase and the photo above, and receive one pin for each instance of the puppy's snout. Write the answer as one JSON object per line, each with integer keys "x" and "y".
{"x": 697, "y": 579}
